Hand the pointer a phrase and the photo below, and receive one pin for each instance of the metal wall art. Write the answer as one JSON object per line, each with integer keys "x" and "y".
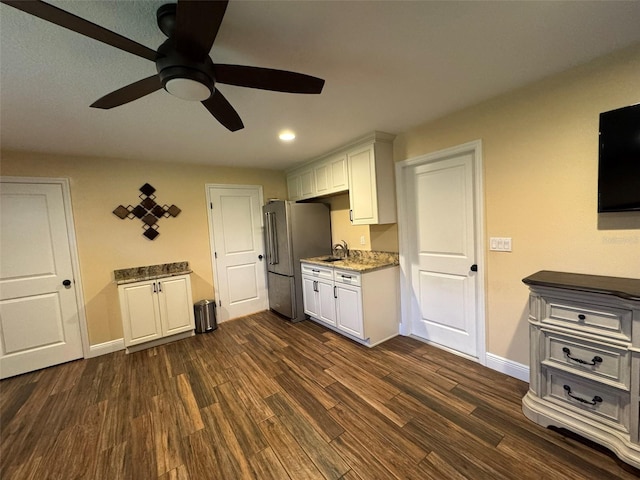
{"x": 148, "y": 210}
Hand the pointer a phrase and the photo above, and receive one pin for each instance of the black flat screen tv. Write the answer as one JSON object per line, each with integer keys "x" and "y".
{"x": 619, "y": 160}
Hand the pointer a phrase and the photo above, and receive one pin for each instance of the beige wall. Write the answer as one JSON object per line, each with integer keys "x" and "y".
{"x": 376, "y": 237}
{"x": 540, "y": 154}
{"x": 107, "y": 243}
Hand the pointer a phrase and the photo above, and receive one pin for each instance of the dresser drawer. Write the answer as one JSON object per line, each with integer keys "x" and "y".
{"x": 596, "y": 319}
{"x": 316, "y": 271}
{"x": 597, "y": 361}
{"x": 588, "y": 398}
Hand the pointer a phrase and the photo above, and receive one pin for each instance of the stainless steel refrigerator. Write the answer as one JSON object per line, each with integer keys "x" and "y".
{"x": 293, "y": 231}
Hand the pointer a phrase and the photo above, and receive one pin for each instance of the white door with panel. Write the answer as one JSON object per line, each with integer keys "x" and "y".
{"x": 39, "y": 316}
{"x": 238, "y": 250}
{"x": 440, "y": 250}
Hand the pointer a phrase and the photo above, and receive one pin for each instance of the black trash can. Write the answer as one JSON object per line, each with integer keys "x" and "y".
{"x": 205, "y": 313}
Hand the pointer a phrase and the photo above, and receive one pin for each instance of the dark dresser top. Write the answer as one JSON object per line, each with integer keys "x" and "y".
{"x": 628, "y": 288}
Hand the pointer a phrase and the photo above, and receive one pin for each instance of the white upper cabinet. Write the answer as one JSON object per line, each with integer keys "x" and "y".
{"x": 364, "y": 168}
{"x": 372, "y": 195}
{"x": 326, "y": 176}
{"x": 331, "y": 175}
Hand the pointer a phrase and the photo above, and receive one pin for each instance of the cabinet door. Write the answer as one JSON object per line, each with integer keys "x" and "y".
{"x": 362, "y": 187}
{"x": 322, "y": 174}
{"x": 140, "y": 313}
{"x": 310, "y": 296}
{"x": 338, "y": 174}
{"x": 176, "y": 306}
{"x": 307, "y": 184}
{"x": 349, "y": 310}
{"x": 294, "y": 188}
{"x": 327, "y": 302}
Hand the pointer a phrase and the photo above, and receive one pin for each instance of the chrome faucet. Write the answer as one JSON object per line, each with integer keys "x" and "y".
{"x": 341, "y": 246}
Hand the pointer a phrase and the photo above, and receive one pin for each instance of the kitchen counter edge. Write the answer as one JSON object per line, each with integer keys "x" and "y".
{"x": 351, "y": 265}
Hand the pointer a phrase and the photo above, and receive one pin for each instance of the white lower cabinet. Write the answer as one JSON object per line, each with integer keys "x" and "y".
{"x": 362, "y": 306}
{"x": 349, "y": 309}
{"x": 153, "y": 310}
{"x": 318, "y": 294}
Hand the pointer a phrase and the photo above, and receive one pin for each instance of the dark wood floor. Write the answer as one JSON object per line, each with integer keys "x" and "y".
{"x": 262, "y": 398}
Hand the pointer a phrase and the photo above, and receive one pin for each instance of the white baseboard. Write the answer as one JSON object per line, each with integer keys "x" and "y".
{"x": 106, "y": 347}
{"x": 508, "y": 367}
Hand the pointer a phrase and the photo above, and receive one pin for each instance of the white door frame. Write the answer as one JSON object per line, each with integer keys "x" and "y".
{"x": 212, "y": 242}
{"x": 73, "y": 250}
{"x": 473, "y": 148}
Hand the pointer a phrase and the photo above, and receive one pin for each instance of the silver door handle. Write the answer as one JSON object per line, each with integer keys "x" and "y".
{"x": 274, "y": 234}
{"x": 269, "y": 238}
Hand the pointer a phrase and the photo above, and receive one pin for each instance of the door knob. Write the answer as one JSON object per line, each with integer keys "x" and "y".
{"x": 66, "y": 283}
{"x": 474, "y": 268}
{"x": 260, "y": 257}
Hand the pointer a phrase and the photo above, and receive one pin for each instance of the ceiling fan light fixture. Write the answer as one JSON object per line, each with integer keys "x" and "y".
{"x": 187, "y": 89}
{"x": 186, "y": 83}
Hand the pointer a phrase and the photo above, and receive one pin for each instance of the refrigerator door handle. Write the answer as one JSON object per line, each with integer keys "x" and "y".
{"x": 267, "y": 226}
{"x": 274, "y": 239}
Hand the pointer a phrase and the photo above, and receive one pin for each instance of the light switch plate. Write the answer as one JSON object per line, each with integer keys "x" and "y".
{"x": 500, "y": 244}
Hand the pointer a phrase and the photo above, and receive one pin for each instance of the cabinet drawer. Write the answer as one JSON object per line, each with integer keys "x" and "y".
{"x": 588, "y": 398}
{"x": 596, "y": 319}
{"x": 316, "y": 271}
{"x": 346, "y": 277}
{"x": 598, "y": 361}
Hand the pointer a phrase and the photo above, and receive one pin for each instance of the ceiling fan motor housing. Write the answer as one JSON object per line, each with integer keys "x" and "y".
{"x": 171, "y": 65}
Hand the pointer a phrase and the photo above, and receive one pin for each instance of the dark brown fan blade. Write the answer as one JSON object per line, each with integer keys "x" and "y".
{"x": 72, "y": 22}
{"x": 267, "y": 79}
{"x": 197, "y": 25}
{"x": 129, "y": 93}
{"x": 220, "y": 108}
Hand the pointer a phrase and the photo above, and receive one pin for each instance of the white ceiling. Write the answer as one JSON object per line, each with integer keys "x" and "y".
{"x": 388, "y": 66}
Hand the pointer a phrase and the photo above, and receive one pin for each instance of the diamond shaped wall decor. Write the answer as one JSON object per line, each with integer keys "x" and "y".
{"x": 149, "y": 211}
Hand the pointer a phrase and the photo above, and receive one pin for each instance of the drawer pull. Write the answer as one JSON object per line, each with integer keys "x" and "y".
{"x": 315, "y": 271}
{"x": 594, "y": 401}
{"x": 346, "y": 276}
{"x": 594, "y": 361}
{"x": 582, "y": 316}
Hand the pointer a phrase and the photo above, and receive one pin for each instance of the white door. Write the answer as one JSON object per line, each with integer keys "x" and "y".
{"x": 238, "y": 250}
{"x": 39, "y": 321}
{"x": 441, "y": 232}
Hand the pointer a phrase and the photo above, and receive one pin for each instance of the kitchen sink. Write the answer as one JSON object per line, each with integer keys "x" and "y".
{"x": 332, "y": 259}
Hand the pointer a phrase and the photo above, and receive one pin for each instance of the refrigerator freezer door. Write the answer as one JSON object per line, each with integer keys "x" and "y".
{"x": 282, "y": 294}
{"x": 278, "y": 238}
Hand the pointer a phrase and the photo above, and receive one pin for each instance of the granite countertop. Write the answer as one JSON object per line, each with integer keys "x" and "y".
{"x": 361, "y": 261}
{"x": 150, "y": 272}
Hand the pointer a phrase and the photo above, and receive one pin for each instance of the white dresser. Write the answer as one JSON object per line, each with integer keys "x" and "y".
{"x": 585, "y": 358}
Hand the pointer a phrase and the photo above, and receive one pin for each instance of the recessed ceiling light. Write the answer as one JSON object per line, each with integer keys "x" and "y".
{"x": 287, "y": 136}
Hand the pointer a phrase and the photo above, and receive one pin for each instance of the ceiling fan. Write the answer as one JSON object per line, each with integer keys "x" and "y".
{"x": 182, "y": 61}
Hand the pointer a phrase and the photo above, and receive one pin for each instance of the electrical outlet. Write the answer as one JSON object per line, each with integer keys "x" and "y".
{"x": 362, "y": 240}
{"x": 500, "y": 244}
